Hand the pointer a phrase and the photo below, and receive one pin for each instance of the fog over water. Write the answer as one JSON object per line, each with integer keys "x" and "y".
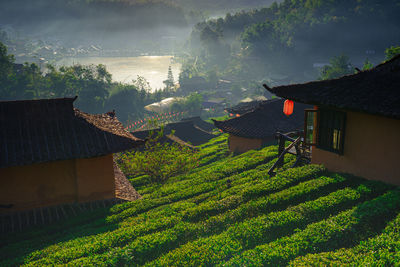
{"x": 125, "y": 69}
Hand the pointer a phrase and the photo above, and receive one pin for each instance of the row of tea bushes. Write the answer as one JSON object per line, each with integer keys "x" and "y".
{"x": 249, "y": 233}
{"x": 146, "y": 231}
{"x": 381, "y": 250}
{"x": 343, "y": 230}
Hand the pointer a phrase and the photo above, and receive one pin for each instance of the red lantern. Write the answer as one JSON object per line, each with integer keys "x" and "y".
{"x": 288, "y": 107}
{"x": 230, "y": 114}
{"x": 237, "y": 115}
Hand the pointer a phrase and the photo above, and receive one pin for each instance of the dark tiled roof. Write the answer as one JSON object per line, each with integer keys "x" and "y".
{"x": 166, "y": 138}
{"x": 33, "y": 131}
{"x": 245, "y": 107}
{"x": 265, "y": 121}
{"x": 200, "y": 123}
{"x": 186, "y": 131}
{"x": 375, "y": 91}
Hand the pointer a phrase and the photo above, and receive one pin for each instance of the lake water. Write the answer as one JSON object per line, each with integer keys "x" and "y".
{"x": 126, "y": 69}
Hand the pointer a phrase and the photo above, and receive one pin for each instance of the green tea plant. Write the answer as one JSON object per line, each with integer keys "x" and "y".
{"x": 382, "y": 250}
{"x": 227, "y": 211}
{"x": 260, "y": 229}
{"x": 159, "y": 161}
{"x": 342, "y": 230}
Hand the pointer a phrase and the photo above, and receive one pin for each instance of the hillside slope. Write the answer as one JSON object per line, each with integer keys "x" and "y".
{"x": 285, "y": 42}
{"x": 228, "y": 211}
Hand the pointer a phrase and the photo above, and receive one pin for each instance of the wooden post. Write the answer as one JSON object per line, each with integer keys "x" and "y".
{"x": 64, "y": 212}
{"x": 12, "y": 222}
{"x": 281, "y": 148}
{"x": 19, "y": 220}
{"x": 34, "y": 217}
{"x": 271, "y": 170}
{"x": 42, "y": 215}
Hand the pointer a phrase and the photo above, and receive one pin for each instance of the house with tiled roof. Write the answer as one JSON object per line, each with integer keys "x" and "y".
{"x": 52, "y": 153}
{"x": 187, "y": 131}
{"x": 258, "y": 128}
{"x": 244, "y": 107}
{"x": 355, "y": 125}
{"x": 200, "y": 123}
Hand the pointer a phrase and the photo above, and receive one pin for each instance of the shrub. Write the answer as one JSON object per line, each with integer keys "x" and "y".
{"x": 159, "y": 161}
{"x": 343, "y": 230}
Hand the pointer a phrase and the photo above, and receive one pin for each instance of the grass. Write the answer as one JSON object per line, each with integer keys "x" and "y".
{"x": 228, "y": 211}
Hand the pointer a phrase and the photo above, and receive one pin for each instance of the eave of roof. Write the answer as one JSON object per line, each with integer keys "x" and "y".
{"x": 264, "y": 121}
{"x": 375, "y": 91}
{"x": 44, "y": 130}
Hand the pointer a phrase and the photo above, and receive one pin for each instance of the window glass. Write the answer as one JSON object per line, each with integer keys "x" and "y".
{"x": 331, "y": 130}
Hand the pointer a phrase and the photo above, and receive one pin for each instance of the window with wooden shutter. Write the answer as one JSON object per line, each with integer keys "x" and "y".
{"x": 331, "y": 130}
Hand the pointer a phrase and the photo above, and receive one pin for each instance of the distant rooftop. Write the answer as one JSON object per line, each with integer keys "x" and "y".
{"x": 265, "y": 120}
{"x": 244, "y": 107}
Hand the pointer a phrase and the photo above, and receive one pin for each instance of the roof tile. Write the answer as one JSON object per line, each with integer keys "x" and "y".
{"x": 265, "y": 120}
{"x": 34, "y": 131}
{"x": 375, "y": 91}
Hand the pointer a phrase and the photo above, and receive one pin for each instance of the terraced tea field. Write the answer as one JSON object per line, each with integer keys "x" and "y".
{"x": 229, "y": 212}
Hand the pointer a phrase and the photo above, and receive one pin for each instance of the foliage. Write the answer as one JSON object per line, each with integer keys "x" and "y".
{"x": 92, "y": 84}
{"x": 159, "y": 159}
{"x": 142, "y": 84}
{"x": 378, "y": 249}
{"x": 339, "y": 66}
{"x": 228, "y": 211}
{"x": 367, "y": 65}
{"x": 286, "y": 39}
{"x": 191, "y": 104}
{"x": 169, "y": 82}
{"x": 342, "y": 230}
{"x": 391, "y": 52}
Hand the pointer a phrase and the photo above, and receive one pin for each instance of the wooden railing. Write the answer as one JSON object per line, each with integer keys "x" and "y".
{"x": 301, "y": 150}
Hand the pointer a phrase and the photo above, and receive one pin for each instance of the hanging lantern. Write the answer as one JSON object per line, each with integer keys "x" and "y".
{"x": 288, "y": 107}
{"x": 237, "y": 115}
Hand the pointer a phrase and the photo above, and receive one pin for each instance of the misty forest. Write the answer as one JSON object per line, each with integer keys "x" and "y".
{"x": 199, "y": 132}
{"x": 224, "y": 50}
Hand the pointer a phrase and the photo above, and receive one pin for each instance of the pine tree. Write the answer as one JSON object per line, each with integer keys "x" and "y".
{"x": 169, "y": 82}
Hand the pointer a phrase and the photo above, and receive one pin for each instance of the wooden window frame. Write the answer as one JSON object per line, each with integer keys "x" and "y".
{"x": 329, "y": 121}
{"x": 315, "y": 125}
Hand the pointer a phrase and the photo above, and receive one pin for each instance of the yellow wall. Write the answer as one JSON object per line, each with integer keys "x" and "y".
{"x": 58, "y": 182}
{"x": 371, "y": 149}
{"x": 241, "y": 144}
{"x": 36, "y": 185}
{"x": 95, "y": 178}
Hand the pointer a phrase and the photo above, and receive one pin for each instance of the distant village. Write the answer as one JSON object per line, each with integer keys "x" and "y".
{"x": 47, "y": 50}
